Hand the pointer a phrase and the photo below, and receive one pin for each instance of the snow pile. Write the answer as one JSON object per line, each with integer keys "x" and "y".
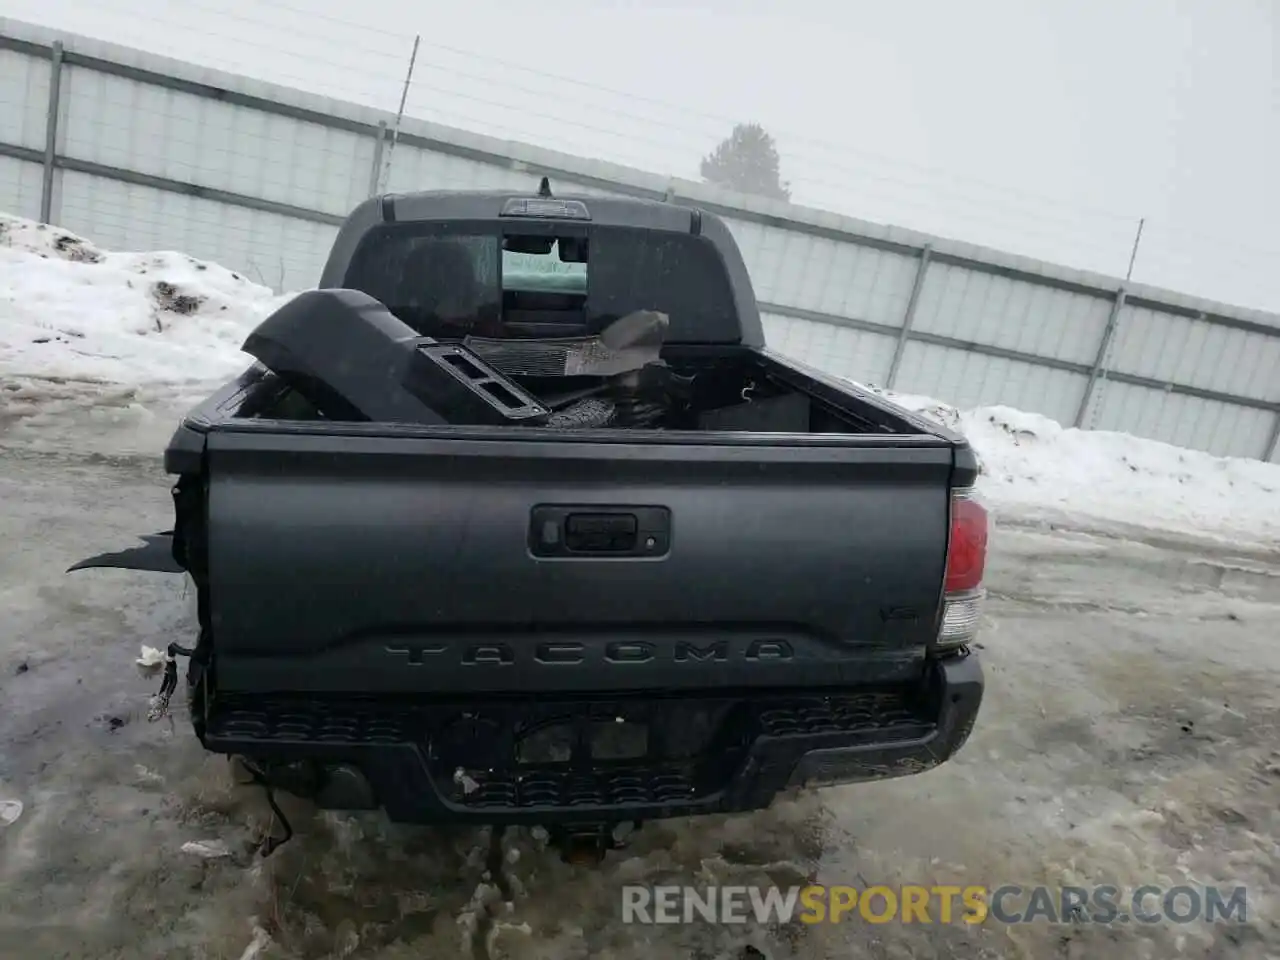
{"x": 1033, "y": 468}
{"x": 163, "y": 325}
{"x": 69, "y": 310}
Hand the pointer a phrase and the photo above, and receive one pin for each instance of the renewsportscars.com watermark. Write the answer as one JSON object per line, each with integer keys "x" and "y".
{"x": 1007, "y": 904}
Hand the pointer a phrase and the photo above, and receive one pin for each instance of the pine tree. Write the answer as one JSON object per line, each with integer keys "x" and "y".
{"x": 747, "y": 161}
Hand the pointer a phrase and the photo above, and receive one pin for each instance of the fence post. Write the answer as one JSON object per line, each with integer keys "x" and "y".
{"x": 1273, "y": 442}
{"x": 1100, "y": 359}
{"x": 51, "y": 131}
{"x": 908, "y": 318}
{"x": 375, "y": 175}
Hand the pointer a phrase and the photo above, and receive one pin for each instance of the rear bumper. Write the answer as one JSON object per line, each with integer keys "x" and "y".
{"x": 471, "y": 761}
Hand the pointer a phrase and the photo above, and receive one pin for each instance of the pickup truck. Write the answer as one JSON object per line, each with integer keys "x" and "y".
{"x": 518, "y": 520}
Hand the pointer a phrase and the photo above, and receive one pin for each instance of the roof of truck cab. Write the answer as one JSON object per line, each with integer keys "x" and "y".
{"x": 488, "y": 204}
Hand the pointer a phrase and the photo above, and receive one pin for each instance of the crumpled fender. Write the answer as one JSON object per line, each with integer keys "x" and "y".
{"x": 155, "y": 555}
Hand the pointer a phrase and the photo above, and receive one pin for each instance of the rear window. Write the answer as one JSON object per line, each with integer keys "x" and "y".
{"x": 448, "y": 281}
{"x": 539, "y": 272}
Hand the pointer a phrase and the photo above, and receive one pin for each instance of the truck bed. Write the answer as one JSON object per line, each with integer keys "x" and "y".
{"x": 399, "y": 558}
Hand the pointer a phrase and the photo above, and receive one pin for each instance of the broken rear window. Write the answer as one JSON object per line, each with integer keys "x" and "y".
{"x": 550, "y": 279}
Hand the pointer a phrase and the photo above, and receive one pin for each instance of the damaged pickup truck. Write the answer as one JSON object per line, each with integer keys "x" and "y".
{"x": 517, "y": 520}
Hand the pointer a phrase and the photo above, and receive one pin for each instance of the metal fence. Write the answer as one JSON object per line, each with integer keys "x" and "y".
{"x": 141, "y": 152}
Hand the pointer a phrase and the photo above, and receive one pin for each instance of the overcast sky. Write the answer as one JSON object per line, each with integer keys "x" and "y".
{"x": 1045, "y": 127}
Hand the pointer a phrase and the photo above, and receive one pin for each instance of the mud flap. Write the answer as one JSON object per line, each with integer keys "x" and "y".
{"x": 155, "y": 555}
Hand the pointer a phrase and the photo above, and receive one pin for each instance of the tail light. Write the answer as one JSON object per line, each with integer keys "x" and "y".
{"x": 966, "y": 562}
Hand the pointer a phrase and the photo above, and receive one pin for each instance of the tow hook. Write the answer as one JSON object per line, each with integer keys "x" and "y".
{"x": 585, "y": 845}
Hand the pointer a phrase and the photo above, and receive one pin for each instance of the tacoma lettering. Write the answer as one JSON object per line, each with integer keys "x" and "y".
{"x": 621, "y": 652}
{"x": 489, "y": 653}
{"x": 769, "y": 650}
{"x": 691, "y": 651}
{"x": 558, "y": 653}
{"x": 416, "y": 655}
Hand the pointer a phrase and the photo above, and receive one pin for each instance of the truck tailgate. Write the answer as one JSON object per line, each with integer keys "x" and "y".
{"x": 406, "y": 564}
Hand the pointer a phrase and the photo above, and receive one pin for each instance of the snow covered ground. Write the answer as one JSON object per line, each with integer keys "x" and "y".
{"x": 160, "y": 327}
{"x": 69, "y": 310}
{"x": 1033, "y": 468}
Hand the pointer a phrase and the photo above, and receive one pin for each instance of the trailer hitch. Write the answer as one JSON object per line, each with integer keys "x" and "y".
{"x": 585, "y": 844}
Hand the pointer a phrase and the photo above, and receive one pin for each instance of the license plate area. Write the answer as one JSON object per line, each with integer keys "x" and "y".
{"x": 600, "y": 740}
{"x": 588, "y": 734}
{"x": 589, "y": 753}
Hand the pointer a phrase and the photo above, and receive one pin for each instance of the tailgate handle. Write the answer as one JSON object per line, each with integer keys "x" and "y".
{"x": 580, "y": 531}
{"x": 601, "y": 532}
